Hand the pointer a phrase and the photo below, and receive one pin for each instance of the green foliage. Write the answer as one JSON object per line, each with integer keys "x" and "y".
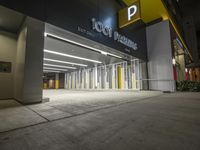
{"x": 190, "y": 86}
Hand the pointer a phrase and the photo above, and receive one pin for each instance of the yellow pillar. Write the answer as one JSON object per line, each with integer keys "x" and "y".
{"x": 120, "y": 77}
{"x": 57, "y": 84}
{"x": 45, "y": 86}
{"x": 57, "y": 81}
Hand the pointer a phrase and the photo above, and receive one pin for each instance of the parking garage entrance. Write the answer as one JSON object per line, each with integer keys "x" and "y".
{"x": 75, "y": 63}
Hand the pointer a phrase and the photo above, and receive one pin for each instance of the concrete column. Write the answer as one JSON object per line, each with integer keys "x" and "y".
{"x": 28, "y": 74}
{"x": 95, "y": 78}
{"x": 106, "y": 76}
{"x": 160, "y": 69}
{"x": 113, "y": 77}
{"x": 65, "y": 81}
{"x": 87, "y": 80}
{"x": 83, "y": 79}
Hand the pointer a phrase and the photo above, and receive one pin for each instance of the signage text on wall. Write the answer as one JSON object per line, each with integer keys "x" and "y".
{"x": 108, "y": 31}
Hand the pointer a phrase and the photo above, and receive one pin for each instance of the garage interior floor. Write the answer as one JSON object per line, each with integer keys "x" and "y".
{"x": 103, "y": 120}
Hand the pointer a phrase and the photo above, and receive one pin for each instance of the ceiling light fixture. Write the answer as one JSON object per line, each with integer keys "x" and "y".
{"x": 104, "y": 53}
{"x": 64, "y": 62}
{"x": 79, "y": 44}
{"x": 59, "y": 66}
{"x": 56, "y": 69}
{"x": 71, "y": 56}
{"x": 50, "y": 71}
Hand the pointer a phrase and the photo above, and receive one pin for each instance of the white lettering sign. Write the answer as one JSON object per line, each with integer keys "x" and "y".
{"x": 99, "y": 27}
{"x": 124, "y": 40}
{"x": 132, "y": 10}
{"x": 107, "y": 31}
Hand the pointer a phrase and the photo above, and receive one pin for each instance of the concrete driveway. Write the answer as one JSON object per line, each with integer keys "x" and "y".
{"x": 78, "y": 102}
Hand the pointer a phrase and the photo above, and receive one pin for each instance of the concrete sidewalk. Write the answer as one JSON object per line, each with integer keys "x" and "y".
{"x": 63, "y": 103}
{"x": 159, "y": 122}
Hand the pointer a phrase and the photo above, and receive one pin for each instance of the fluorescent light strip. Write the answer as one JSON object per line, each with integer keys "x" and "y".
{"x": 50, "y": 71}
{"x": 82, "y": 45}
{"x": 71, "y": 56}
{"x": 56, "y": 69}
{"x": 51, "y": 65}
{"x": 115, "y": 55}
{"x": 65, "y": 62}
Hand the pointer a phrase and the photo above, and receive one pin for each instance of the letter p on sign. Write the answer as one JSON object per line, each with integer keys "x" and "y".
{"x": 129, "y": 14}
{"x": 131, "y": 11}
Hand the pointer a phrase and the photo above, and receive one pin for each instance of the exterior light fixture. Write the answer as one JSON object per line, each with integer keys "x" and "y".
{"x": 55, "y": 69}
{"x": 79, "y": 44}
{"x": 59, "y": 66}
{"x": 104, "y": 53}
{"x": 71, "y": 56}
{"x": 64, "y": 62}
{"x": 51, "y": 71}
{"x": 174, "y": 61}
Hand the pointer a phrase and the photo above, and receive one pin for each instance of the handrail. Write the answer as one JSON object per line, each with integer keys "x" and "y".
{"x": 157, "y": 80}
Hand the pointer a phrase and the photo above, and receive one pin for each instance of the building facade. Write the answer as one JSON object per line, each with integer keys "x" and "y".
{"x": 88, "y": 45}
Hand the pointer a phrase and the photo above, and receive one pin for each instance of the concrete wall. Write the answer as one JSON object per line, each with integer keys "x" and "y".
{"x": 8, "y": 44}
{"x": 160, "y": 68}
{"x": 25, "y": 51}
